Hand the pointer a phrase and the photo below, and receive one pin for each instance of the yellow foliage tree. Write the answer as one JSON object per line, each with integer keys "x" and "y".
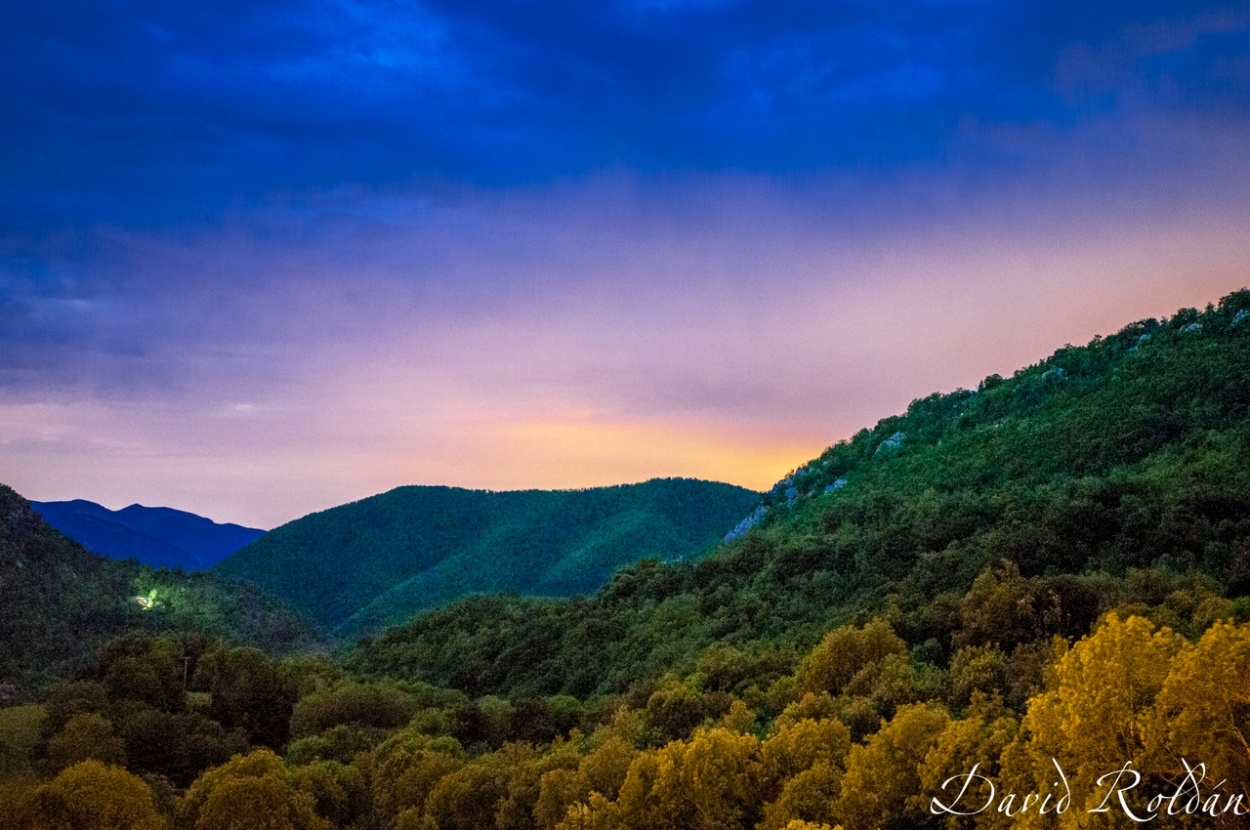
{"x": 974, "y": 742}
{"x": 406, "y": 768}
{"x": 807, "y": 798}
{"x": 93, "y": 796}
{"x": 1093, "y": 714}
{"x": 798, "y": 746}
{"x": 816, "y": 706}
{"x": 248, "y": 792}
{"x": 605, "y": 768}
{"x": 845, "y": 652}
{"x": 1202, "y": 713}
{"x": 526, "y": 769}
{"x": 1090, "y": 721}
{"x": 470, "y": 797}
{"x": 86, "y": 735}
{"x": 601, "y": 772}
{"x": 558, "y": 790}
{"x": 16, "y": 795}
{"x": 708, "y": 782}
{"x": 339, "y": 792}
{"x": 882, "y": 777}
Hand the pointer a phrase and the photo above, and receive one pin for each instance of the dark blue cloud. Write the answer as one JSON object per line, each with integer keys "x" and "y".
{"x": 141, "y": 112}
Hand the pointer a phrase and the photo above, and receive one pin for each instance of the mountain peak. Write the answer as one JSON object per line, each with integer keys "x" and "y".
{"x": 414, "y": 547}
{"x": 157, "y": 536}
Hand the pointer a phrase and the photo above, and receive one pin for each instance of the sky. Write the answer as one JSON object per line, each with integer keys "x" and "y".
{"x": 261, "y": 258}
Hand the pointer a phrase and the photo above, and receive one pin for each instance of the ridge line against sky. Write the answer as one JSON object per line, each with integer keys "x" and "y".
{"x": 258, "y": 259}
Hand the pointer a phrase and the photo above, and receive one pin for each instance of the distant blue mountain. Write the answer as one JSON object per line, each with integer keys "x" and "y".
{"x": 157, "y": 536}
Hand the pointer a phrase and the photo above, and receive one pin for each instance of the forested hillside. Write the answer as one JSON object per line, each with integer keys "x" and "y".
{"x": 61, "y": 602}
{"x": 358, "y": 567}
{"x": 1098, "y": 476}
{"x": 1034, "y": 594}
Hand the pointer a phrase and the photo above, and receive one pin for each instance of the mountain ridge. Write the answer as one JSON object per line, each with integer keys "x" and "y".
{"x": 1103, "y": 475}
{"x": 416, "y": 546}
{"x": 162, "y": 537}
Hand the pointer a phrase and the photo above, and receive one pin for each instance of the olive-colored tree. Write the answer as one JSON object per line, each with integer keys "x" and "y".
{"x": 94, "y": 796}
{"x": 249, "y": 792}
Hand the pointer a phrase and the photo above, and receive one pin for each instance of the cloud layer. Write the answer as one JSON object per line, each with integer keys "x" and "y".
{"x": 146, "y": 111}
{"x": 260, "y": 258}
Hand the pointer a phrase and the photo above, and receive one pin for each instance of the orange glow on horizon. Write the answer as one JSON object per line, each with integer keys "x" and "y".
{"x": 626, "y": 361}
{"x": 592, "y": 452}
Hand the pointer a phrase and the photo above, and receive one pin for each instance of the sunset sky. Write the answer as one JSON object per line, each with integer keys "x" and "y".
{"x": 261, "y": 258}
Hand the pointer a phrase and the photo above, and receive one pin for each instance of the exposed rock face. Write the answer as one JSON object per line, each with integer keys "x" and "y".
{"x": 892, "y": 443}
{"x": 746, "y": 524}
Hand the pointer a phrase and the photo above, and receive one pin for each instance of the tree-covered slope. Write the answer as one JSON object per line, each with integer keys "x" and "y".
{"x": 1040, "y": 580}
{"x": 1066, "y": 482}
{"x": 61, "y": 602}
{"x": 363, "y": 565}
{"x": 158, "y": 536}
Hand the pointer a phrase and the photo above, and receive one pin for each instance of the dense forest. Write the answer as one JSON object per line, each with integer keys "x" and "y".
{"x": 1069, "y": 483}
{"x": 1020, "y": 606}
{"x": 361, "y": 566}
{"x": 61, "y": 602}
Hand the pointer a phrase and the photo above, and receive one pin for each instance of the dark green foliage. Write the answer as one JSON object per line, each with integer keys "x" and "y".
{"x": 374, "y": 562}
{"x": 352, "y": 704}
{"x": 61, "y": 602}
{"x": 1082, "y": 473}
{"x": 250, "y": 692}
{"x": 133, "y": 709}
{"x": 928, "y": 595}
